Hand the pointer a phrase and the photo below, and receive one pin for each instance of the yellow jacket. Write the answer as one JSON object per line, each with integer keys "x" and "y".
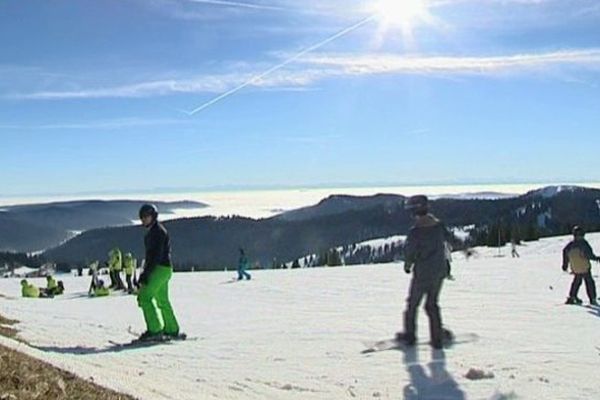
{"x": 29, "y": 290}
{"x": 115, "y": 260}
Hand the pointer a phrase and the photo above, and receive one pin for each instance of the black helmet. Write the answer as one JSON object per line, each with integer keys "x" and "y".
{"x": 578, "y": 231}
{"x": 148, "y": 209}
{"x": 418, "y": 204}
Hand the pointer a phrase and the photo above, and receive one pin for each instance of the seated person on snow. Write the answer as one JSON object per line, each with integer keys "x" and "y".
{"x": 51, "y": 286}
{"x": 99, "y": 289}
{"x": 29, "y": 290}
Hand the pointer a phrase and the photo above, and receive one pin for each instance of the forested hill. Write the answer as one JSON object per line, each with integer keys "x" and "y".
{"x": 213, "y": 243}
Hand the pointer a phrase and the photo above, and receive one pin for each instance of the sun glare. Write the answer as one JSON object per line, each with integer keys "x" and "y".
{"x": 400, "y": 12}
{"x": 400, "y": 15}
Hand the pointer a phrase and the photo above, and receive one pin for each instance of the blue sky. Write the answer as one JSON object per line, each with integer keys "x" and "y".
{"x": 120, "y": 94}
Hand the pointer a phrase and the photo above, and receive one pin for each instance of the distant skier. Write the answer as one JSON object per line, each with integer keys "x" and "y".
{"x": 94, "y": 272}
{"x": 448, "y": 254}
{"x": 115, "y": 266}
{"x": 129, "y": 265}
{"x": 425, "y": 256}
{"x": 513, "y": 249}
{"x": 578, "y": 254}
{"x": 243, "y": 266}
{"x": 154, "y": 280}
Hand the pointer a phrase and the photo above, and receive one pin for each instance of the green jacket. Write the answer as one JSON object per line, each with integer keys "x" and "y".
{"x": 29, "y": 290}
{"x": 52, "y": 285}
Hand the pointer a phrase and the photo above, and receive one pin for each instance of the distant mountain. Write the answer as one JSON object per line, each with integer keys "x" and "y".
{"x": 212, "y": 243}
{"x": 33, "y": 227}
{"x": 338, "y": 204}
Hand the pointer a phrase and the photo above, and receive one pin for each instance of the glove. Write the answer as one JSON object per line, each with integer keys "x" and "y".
{"x": 407, "y": 268}
{"x": 565, "y": 267}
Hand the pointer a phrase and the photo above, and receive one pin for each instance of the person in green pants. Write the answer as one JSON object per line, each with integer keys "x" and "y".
{"x": 161, "y": 322}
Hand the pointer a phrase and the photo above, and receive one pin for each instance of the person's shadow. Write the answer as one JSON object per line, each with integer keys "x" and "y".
{"x": 440, "y": 384}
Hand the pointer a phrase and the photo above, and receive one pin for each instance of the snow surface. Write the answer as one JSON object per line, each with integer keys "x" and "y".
{"x": 298, "y": 334}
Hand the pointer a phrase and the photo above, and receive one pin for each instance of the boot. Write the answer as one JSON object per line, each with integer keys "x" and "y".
{"x": 407, "y": 339}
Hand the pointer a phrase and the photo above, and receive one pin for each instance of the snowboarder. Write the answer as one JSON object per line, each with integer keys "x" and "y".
{"x": 243, "y": 266}
{"x": 154, "y": 280}
{"x": 578, "y": 254}
{"x": 130, "y": 265}
{"x": 425, "y": 257}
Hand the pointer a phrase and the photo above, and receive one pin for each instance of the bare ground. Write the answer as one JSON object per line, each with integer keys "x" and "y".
{"x": 25, "y": 378}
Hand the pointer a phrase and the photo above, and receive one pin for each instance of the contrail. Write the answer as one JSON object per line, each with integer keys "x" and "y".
{"x": 238, "y": 4}
{"x": 290, "y": 60}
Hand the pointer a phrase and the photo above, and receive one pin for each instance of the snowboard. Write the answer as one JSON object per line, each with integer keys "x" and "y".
{"x": 450, "y": 339}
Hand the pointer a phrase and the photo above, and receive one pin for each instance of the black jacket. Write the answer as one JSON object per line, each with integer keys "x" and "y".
{"x": 158, "y": 250}
{"x": 424, "y": 250}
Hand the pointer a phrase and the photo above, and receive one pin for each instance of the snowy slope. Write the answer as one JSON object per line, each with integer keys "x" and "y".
{"x": 297, "y": 334}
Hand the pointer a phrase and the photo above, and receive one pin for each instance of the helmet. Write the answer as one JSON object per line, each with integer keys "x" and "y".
{"x": 148, "y": 210}
{"x": 417, "y": 204}
{"x": 23, "y": 282}
{"x": 128, "y": 255}
{"x": 578, "y": 231}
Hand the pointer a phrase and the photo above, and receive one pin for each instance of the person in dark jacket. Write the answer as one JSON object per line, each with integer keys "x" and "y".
{"x": 154, "y": 280}
{"x": 425, "y": 257}
{"x": 243, "y": 266}
{"x": 578, "y": 254}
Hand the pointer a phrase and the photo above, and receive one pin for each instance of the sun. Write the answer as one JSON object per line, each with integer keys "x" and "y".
{"x": 402, "y": 15}
{"x": 399, "y": 13}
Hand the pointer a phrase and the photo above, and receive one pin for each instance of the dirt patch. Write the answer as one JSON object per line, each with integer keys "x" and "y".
{"x": 6, "y": 321}
{"x": 7, "y": 330}
{"x": 25, "y": 378}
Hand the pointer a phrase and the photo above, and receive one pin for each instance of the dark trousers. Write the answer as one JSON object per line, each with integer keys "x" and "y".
{"x": 129, "y": 282}
{"x": 590, "y": 285}
{"x": 116, "y": 281}
{"x": 243, "y": 274}
{"x": 418, "y": 290}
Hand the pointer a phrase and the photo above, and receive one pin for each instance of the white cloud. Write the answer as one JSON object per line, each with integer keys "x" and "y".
{"x": 431, "y": 65}
{"x": 238, "y": 4}
{"x": 102, "y": 124}
{"x": 310, "y": 69}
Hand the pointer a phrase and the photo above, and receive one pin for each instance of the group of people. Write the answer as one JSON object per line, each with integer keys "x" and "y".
{"x": 53, "y": 288}
{"x": 117, "y": 263}
{"x": 426, "y": 252}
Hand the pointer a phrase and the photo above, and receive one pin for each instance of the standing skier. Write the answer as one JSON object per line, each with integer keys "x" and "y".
{"x": 115, "y": 266}
{"x": 129, "y": 265}
{"x": 425, "y": 256}
{"x": 513, "y": 249}
{"x": 243, "y": 266}
{"x": 154, "y": 280}
{"x": 578, "y": 254}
